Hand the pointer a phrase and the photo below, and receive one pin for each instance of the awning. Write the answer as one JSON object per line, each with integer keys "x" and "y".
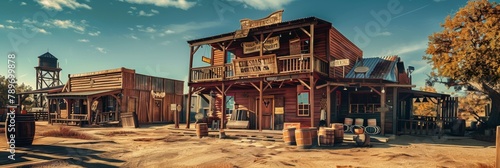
{"x": 83, "y": 94}
{"x": 54, "y": 89}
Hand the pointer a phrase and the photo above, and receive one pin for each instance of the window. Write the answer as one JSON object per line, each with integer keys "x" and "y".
{"x": 303, "y": 104}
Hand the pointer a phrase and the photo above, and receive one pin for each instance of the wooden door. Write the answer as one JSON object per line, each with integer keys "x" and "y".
{"x": 157, "y": 106}
{"x": 267, "y": 112}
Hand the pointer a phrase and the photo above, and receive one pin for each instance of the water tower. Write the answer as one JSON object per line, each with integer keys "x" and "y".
{"x": 47, "y": 73}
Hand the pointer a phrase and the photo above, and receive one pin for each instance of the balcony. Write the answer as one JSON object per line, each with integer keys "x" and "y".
{"x": 266, "y": 66}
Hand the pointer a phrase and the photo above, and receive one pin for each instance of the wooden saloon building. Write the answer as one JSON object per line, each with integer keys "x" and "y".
{"x": 101, "y": 97}
{"x": 290, "y": 71}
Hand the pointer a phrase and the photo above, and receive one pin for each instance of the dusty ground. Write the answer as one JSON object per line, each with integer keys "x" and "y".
{"x": 154, "y": 146}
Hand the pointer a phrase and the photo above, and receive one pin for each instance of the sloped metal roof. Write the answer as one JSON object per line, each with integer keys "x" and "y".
{"x": 47, "y": 55}
{"x": 82, "y": 93}
{"x": 378, "y": 68}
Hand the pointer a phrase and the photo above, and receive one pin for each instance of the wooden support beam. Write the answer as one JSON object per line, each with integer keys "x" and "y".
{"x": 268, "y": 85}
{"x": 328, "y": 104}
{"x": 305, "y": 84}
{"x": 281, "y": 84}
{"x": 195, "y": 49}
{"x": 311, "y": 99}
{"x": 334, "y": 88}
{"x": 228, "y": 45}
{"x": 322, "y": 86}
{"x": 395, "y": 108}
{"x": 375, "y": 90}
{"x": 225, "y": 91}
{"x": 260, "y": 106}
{"x": 382, "y": 113}
{"x": 188, "y": 106}
{"x": 223, "y": 107}
{"x": 305, "y": 31}
{"x": 255, "y": 86}
{"x": 311, "y": 48}
{"x": 498, "y": 146}
{"x": 218, "y": 89}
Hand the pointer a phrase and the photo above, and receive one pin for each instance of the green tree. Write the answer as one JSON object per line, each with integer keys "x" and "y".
{"x": 19, "y": 88}
{"x": 467, "y": 52}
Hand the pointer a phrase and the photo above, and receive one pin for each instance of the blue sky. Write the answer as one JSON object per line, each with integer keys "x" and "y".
{"x": 150, "y": 36}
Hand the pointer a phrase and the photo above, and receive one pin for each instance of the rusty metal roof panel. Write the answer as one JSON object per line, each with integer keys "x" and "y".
{"x": 378, "y": 68}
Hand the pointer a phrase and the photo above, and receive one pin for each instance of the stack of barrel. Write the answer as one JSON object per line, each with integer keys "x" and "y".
{"x": 326, "y": 136}
{"x": 201, "y": 130}
{"x": 303, "y": 138}
{"x": 289, "y": 135}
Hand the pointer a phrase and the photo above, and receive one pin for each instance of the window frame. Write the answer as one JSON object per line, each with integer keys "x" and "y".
{"x": 303, "y": 110}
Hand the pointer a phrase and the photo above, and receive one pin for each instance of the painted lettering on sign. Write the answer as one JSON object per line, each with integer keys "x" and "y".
{"x": 255, "y": 65}
{"x": 273, "y": 43}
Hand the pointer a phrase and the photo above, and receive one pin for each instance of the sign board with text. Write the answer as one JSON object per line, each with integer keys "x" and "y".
{"x": 273, "y": 43}
{"x": 206, "y": 59}
{"x": 255, "y": 65}
{"x": 273, "y": 18}
{"x": 340, "y": 62}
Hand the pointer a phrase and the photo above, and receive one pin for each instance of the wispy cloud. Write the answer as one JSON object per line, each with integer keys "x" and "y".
{"x": 181, "y": 4}
{"x": 40, "y": 30}
{"x": 102, "y": 50}
{"x": 83, "y": 40}
{"x": 66, "y": 24}
{"x": 386, "y": 33}
{"x": 142, "y": 13}
{"x": 11, "y": 27}
{"x": 187, "y": 27}
{"x": 405, "y": 49}
{"x": 96, "y": 33}
{"x": 147, "y": 30}
{"x": 59, "y": 4}
{"x": 132, "y": 36}
{"x": 264, "y": 4}
{"x": 23, "y": 3}
{"x": 11, "y": 21}
{"x": 2, "y": 26}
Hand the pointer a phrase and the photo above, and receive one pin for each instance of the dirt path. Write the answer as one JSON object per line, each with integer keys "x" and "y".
{"x": 156, "y": 147}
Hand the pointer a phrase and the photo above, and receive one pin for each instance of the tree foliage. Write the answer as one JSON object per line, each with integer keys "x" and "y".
{"x": 19, "y": 88}
{"x": 425, "y": 108}
{"x": 467, "y": 51}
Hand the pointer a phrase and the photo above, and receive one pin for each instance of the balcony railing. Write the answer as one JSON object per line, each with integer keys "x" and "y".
{"x": 285, "y": 65}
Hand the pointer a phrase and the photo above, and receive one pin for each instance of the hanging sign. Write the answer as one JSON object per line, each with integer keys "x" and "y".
{"x": 255, "y": 65}
{"x": 272, "y": 43}
{"x": 206, "y": 59}
{"x": 273, "y": 18}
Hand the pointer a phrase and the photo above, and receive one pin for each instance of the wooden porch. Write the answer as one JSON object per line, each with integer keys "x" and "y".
{"x": 286, "y": 65}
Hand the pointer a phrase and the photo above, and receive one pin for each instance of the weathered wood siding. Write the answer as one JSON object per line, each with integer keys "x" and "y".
{"x": 342, "y": 48}
{"x": 218, "y": 57}
{"x": 96, "y": 82}
{"x": 247, "y": 99}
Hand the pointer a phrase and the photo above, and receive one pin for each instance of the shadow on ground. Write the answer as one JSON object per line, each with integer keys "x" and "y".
{"x": 74, "y": 156}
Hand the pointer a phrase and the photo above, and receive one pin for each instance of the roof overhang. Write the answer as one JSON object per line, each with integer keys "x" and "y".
{"x": 54, "y": 89}
{"x": 83, "y": 94}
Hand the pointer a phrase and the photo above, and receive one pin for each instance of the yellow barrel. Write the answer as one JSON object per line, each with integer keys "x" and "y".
{"x": 303, "y": 138}
{"x": 289, "y": 136}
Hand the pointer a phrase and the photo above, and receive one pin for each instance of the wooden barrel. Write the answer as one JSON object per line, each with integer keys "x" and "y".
{"x": 201, "y": 130}
{"x": 23, "y": 131}
{"x": 289, "y": 135}
{"x": 372, "y": 122}
{"x": 348, "y": 121}
{"x": 359, "y": 121}
{"x": 303, "y": 138}
{"x": 314, "y": 135}
{"x": 326, "y": 136}
{"x": 338, "y": 132}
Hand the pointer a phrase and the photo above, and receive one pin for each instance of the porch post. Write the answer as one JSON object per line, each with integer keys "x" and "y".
{"x": 223, "y": 106}
{"x": 328, "y": 104}
{"x": 89, "y": 110}
{"x": 188, "y": 107}
{"x": 383, "y": 111}
{"x": 395, "y": 109}
{"x": 260, "y": 105}
{"x": 48, "y": 110}
{"x": 311, "y": 48}
{"x": 311, "y": 98}
{"x": 498, "y": 146}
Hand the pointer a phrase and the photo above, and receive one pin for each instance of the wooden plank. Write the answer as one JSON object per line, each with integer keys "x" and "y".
{"x": 498, "y": 146}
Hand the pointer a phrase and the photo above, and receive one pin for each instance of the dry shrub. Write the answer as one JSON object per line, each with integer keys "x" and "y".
{"x": 113, "y": 133}
{"x": 65, "y": 132}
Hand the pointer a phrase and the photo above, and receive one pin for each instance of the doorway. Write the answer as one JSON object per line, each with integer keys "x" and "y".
{"x": 267, "y": 111}
{"x": 157, "y": 106}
